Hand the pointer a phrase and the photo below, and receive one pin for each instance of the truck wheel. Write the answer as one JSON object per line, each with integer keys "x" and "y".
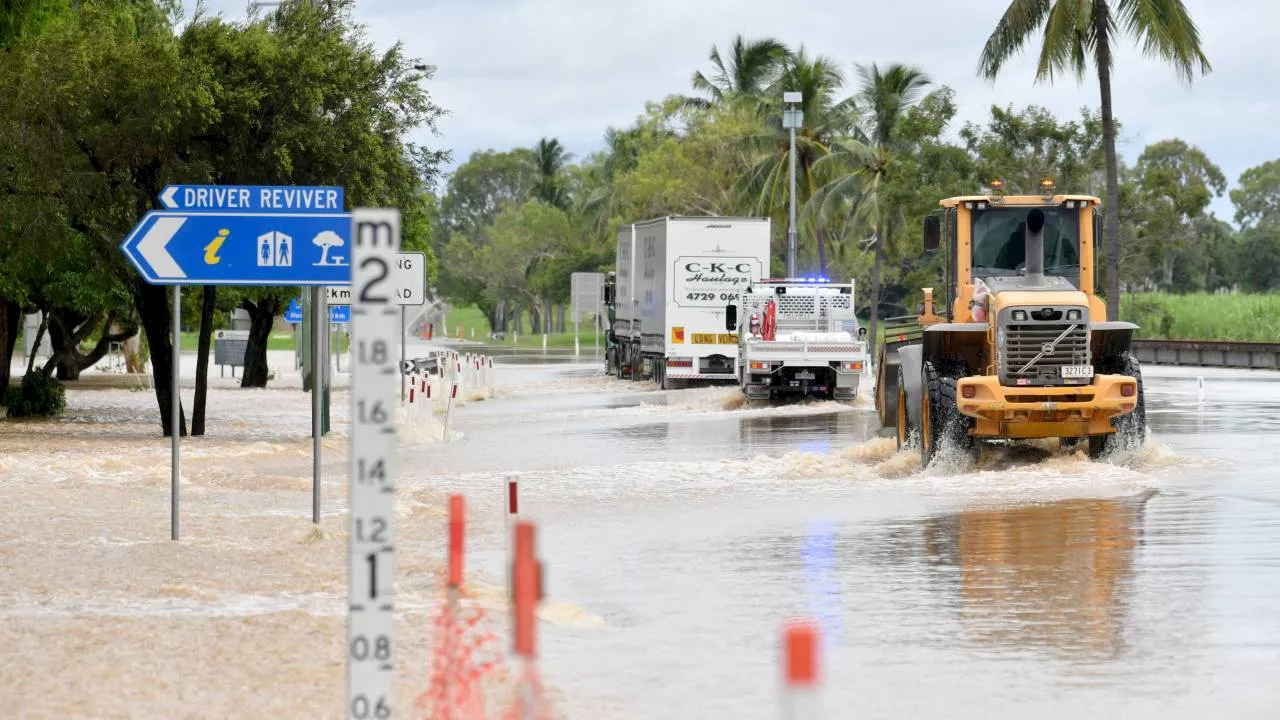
{"x": 941, "y": 424}
{"x": 1131, "y": 429}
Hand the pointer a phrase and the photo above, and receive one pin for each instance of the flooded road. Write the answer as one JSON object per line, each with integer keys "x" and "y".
{"x": 679, "y": 530}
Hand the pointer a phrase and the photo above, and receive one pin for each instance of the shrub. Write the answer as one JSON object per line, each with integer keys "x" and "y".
{"x": 39, "y": 396}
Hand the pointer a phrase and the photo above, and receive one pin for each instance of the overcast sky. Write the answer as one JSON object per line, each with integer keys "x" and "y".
{"x": 512, "y": 71}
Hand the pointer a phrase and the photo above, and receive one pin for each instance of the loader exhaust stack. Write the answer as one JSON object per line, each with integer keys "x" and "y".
{"x": 1035, "y": 247}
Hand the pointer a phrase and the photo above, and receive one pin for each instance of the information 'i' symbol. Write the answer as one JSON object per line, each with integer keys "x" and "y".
{"x": 211, "y": 250}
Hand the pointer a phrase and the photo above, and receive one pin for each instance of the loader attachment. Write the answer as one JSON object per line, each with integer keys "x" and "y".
{"x": 899, "y": 332}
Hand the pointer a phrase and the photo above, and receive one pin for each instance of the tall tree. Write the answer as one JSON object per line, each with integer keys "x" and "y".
{"x": 550, "y": 159}
{"x": 1177, "y": 182}
{"x": 752, "y": 66}
{"x": 766, "y": 186}
{"x": 883, "y": 99}
{"x": 1258, "y": 196}
{"x": 1078, "y": 31}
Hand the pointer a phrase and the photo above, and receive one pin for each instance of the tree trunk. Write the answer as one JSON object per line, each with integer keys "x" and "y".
{"x": 35, "y": 347}
{"x": 10, "y": 318}
{"x": 822, "y": 250}
{"x": 261, "y": 315}
{"x": 563, "y": 326}
{"x": 68, "y": 330}
{"x": 873, "y": 334}
{"x": 1111, "y": 206}
{"x": 208, "y": 298}
{"x": 153, "y": 308}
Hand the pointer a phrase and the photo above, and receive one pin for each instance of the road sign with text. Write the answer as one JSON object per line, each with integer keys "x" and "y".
{"x": 252, "y": 198}
{"x": 217, "y": 248}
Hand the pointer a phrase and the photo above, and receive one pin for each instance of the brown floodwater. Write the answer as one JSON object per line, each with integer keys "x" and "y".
{"x": 679, "y": 530}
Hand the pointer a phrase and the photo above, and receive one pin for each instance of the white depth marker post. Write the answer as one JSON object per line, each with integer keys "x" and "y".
{"x": 375, "y": 240}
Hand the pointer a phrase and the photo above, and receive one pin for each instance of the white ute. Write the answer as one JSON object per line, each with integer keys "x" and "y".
{"x": 798, "y": 337}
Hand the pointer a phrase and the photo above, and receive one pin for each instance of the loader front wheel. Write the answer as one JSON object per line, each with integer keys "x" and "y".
{"x": 942, "y": 426}
{"x": 1131, "y": 428}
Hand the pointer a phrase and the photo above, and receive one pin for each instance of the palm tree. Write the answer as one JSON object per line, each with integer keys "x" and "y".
{"x": 864, "y": 160}
{"x": 550, "y": 158}
{"x": 766, "y": 185}
{"x": 752, "y": 66}
{"x": 1076, "y": 31}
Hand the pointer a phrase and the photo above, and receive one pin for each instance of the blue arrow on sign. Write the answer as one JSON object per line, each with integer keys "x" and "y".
{"x": 252, "y": 198}
{"x": 293, "y": 313}
{"x": 339, "y": 313}
{"x": 202, "y": 248}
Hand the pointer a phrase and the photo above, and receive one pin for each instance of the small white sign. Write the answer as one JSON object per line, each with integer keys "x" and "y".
{"x": 408, "y": 281}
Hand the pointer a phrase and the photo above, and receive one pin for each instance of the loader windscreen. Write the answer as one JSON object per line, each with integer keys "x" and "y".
{"x": 999, "y": 242}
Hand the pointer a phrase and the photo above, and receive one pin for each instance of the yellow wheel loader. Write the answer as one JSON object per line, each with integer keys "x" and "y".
{"x": 1020, "y": 347}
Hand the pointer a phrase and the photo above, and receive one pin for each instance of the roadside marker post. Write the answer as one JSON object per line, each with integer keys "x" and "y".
{"x": 527, "y": 587}
{"x": 250, "y": 235}
{"x": 511, "y": 517}
{"x": 375, "y": 236}
{"x": 800, "y": 699}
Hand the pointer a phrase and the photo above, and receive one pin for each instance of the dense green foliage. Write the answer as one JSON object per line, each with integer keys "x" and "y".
{"x": 103, "y": 103}
{"x": 876, "y": 153}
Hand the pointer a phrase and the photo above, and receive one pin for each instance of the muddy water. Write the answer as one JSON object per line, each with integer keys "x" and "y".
{"x": 678, "y": 530}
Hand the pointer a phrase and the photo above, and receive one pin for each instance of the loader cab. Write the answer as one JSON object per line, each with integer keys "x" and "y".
{"x": 983, "y": 237}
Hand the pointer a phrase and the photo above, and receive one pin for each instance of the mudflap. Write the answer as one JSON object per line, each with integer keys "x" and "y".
{"x": 757, "y": 392}
{"x": 911, "y": 359}
{"x": 846, "y": 393}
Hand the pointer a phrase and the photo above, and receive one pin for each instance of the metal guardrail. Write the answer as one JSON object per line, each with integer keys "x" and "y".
{"x": 1209, "y": 353}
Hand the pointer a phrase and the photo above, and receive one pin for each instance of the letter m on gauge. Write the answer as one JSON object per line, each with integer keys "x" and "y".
{"x": 375, "y": 234}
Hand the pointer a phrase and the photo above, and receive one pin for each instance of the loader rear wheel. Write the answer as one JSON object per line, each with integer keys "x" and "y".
{"x": 1131, "y": 429}
{"x": 942, "y": 426}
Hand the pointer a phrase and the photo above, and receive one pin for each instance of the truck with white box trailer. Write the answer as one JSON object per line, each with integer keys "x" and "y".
{"x": 669, "y": 310}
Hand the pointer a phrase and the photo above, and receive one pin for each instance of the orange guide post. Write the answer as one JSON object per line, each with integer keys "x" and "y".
{"x": 456, "y": 533}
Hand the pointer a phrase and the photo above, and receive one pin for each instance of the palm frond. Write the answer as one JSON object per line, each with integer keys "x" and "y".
{"x": 1015, "y": 27}
{"x": 1167, "y": 32}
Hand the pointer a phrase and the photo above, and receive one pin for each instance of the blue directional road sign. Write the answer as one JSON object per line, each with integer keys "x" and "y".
{"x": 293, "y": 313}
{"x": 217, "y": 248}
{"x": 252, "y": 198}
{"x": 339, "y": 314}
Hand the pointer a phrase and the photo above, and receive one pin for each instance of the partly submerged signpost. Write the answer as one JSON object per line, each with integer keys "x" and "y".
{"x": 244, "y": 235}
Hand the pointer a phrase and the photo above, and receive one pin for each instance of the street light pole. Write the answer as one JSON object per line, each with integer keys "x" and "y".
{"x": 792, "y": 118}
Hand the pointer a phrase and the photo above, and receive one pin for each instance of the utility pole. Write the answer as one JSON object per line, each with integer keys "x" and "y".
{"x": 792, "y": 118}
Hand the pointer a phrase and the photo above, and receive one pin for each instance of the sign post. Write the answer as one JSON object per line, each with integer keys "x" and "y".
{"x": 240, "y": 235}
{"x": 175, "y": 414}
{"x": 371, "y": 590}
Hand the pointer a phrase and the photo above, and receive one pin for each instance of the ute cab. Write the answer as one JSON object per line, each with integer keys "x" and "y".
{"x": 1020, "y": 346}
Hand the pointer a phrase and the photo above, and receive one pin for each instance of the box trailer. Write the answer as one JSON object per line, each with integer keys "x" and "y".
{"x": 682, "y": 273}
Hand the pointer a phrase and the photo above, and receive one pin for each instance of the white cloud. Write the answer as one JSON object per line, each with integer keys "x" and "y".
{"x": 511, "y": 71}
